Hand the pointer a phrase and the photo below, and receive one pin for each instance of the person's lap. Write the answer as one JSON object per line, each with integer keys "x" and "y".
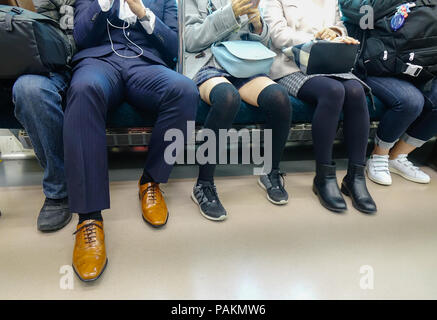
{"x": 142, "y": 84}
{"x": 249, "y": 91}
{"x": 393, "y": 91}
{"x": 326, "y": 86}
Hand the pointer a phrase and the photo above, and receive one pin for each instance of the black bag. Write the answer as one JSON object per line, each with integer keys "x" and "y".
{"x": 30, "y": 43}
{"x": 323, "y": 57}
{"x": 409, "y": 52}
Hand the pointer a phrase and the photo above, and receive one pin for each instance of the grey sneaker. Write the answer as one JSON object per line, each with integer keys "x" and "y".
{"x": 54, "y": 215}
{"x": 273, "y": 184}
{"x": 206, "y": 197}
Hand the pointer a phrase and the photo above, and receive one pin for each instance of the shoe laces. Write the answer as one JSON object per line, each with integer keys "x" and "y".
{"x": 151, "y": 192}
{"x": 277, "y": 179}
{"x": 89, "y": 232}
{"x": 210, "y": 192}
{"x": 380, "y": 164}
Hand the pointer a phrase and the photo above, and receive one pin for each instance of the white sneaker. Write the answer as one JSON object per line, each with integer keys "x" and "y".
{"x": 377, "y": 170}
{"x": 406, "y": 169}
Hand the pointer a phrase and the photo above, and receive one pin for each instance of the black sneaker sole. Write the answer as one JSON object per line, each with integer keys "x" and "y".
{"x": 94, "y": 279}
{"x": 204, "y": 214}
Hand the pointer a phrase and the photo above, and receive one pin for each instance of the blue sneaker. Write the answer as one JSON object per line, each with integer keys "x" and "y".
{"x": 206, "y": 197}
{"x": 273, "y": 184}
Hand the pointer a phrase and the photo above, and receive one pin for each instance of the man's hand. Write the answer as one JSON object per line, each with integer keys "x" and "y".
{"x": 137, "y": 8}
{"x": 242, "y": 7}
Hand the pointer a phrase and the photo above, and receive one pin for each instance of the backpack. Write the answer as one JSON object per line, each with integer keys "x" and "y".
{"x": 410, "y": 52}
{"x": 25, "y": 4}
{"x": 31, "y": 43}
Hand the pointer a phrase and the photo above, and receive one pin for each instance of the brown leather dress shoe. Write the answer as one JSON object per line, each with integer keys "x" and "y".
{"x": 153, "y": 204}
{"x": 89, "y": 255}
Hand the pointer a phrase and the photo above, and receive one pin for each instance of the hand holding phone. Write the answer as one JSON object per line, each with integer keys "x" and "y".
{"x": 242, "y": 7}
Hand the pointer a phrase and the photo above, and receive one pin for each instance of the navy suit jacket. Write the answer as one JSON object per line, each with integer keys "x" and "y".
{"x": 90, "y": 31}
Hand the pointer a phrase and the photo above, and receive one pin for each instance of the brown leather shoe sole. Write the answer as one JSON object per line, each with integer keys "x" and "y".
{"x": 94, "y": 279}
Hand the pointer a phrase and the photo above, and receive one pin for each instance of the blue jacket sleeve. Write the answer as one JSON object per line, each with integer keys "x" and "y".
{"x": 89, "y": 23}
{"x": 166, "y": 31}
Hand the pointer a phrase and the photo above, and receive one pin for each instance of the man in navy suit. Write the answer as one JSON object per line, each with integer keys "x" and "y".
{"x": 128, "y": 50}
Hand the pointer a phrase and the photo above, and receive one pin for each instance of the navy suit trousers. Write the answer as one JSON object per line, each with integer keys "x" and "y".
{"x": 99, "y": 84}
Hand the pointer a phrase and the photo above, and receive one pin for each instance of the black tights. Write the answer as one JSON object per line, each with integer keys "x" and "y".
{"x": 225, "y": 103}
{"x": 331, "y": 97}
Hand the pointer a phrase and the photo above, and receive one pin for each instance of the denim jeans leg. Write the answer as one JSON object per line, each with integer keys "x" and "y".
{"x": 38, "y": 107}
{"x": 425, "y": 127}
{"x": 404, "y": 102}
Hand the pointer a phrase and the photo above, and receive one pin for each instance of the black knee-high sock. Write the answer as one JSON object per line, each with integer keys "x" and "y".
{"x": 275, "y": 102}
{"x": 225, "y": 103}
{"x": 96, "y": 215}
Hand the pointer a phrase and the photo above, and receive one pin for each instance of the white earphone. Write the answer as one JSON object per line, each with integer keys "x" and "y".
{"x": 124, "y": 27}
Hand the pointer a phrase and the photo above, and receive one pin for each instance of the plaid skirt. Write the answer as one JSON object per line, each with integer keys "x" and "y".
{"x": 294, "y": 82}
{"x": 209, "y": 72}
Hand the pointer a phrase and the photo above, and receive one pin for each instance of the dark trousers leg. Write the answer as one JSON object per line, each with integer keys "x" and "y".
{"x": 95, "y": 86}
{"x": 38, "y": 107}
{"x": 425, "y": 126}
{"x": 173, "y": 97}
{"x": 404, "y": 102}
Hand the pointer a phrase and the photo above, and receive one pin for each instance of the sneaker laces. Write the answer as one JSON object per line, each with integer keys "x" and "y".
{"x": 89, "y": 232}
{"x": 210, "y": 192}
{"x": 275, "y": 179}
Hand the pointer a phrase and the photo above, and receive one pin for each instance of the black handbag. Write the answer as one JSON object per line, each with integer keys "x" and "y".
{"x": 323, "y": 57}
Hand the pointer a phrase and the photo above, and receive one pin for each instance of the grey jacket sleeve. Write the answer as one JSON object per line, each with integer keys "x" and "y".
{"x": 202, "y": 30}
{"x": 264, "y": 37}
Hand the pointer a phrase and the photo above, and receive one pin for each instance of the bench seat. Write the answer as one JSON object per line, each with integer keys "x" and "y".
{"x": 126, "y": 116}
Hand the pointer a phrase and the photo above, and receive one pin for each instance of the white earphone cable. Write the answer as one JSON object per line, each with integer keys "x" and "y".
{"x": 124, "y": 27}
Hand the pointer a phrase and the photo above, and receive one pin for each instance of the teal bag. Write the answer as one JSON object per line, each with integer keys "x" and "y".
{"x": 243, "y": 59}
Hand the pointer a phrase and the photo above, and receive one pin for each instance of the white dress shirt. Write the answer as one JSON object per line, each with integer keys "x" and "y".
{"x": 127, "y": 15}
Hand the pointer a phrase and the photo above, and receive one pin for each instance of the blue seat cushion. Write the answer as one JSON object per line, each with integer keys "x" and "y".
{"x": 126, "y": 116}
